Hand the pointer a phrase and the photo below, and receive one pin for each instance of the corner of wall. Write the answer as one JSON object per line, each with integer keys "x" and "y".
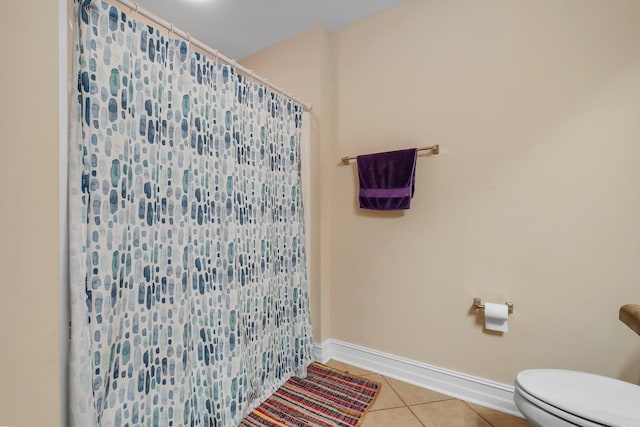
{"x": 309, "y": 77}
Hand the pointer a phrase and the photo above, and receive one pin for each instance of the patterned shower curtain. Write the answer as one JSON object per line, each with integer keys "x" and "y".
{"x": 188, "y": 280}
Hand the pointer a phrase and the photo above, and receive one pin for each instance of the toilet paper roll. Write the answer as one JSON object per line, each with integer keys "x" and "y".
{"x": 496, "y": 316}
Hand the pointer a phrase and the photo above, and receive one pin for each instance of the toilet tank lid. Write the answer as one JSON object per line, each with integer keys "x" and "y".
{"x": 593, "y": 397}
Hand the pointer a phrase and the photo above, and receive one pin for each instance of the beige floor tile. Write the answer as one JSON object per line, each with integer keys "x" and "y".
{"x": 354, "y": 370}
{"x": 387, "y": 398}
{"x": 448, "y": 413}
{"x": 427, "y": 408}
{"x": 413, "y": 395}
{"x": 397, "y": 417}
{"x": 498, "y": 419}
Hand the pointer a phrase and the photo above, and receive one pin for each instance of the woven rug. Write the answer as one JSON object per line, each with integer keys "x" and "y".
{"x": 326, "y": 398}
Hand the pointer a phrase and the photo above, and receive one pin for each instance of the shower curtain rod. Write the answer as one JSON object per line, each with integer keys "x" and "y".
{"x": 173, "y": 29}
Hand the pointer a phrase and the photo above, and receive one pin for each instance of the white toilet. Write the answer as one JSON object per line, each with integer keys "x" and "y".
{"x": 559, "y": 398}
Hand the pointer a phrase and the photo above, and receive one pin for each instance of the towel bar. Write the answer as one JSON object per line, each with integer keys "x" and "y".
{"x": 435, "y": 149}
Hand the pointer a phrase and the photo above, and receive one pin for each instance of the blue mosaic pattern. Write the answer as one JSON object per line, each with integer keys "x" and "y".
{"x": 188, "y": 279}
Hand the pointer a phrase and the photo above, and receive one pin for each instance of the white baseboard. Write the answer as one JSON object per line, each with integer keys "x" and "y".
{"x": 456, "y": 384}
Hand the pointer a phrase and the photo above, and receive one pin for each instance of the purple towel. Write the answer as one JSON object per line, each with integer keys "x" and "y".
{"x": 387, "y": 180}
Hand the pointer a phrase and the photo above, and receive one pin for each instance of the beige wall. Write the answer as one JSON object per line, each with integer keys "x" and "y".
{"x": 29, "y": 313}
{"x": 534, "y": 198}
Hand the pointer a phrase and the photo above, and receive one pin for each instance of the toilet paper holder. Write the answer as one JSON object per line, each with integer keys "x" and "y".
{"x": 477, "y": 302}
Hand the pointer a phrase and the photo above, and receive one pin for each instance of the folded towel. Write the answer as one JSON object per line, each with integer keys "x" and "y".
{"x": 387, "y": 180}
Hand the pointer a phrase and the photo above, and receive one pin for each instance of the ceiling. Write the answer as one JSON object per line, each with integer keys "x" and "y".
{"x": 239, "y": 28}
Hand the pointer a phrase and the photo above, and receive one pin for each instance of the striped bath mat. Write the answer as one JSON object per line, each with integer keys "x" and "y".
{"x": 326, "y": 398}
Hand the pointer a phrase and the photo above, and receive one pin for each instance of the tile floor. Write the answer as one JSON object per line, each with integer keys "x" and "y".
{"x": 404, "y": 405}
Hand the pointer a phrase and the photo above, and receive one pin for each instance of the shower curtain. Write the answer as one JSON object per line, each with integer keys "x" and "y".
{"x": 187, "y": 249}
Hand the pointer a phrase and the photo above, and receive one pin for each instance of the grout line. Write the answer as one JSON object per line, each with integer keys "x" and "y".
{"x": 435, "y": 401}
{"x": 406, "y": 405}
{"x": 384, "y": 383}
{"x": 415, "y": 415}
{"x": 476, "y": 412}
{"x": 379, "y": 410}
{"x": 394, "y": 390}
{"x": 419, "y": 403}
